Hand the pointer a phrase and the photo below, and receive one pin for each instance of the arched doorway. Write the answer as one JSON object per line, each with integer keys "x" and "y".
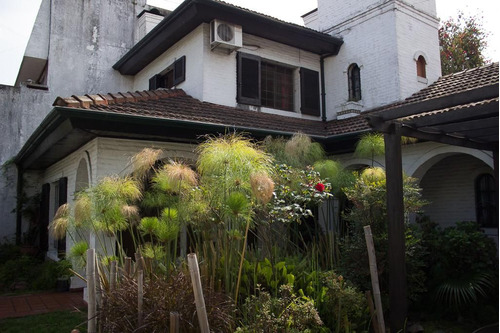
{"x": 450, "y": 186}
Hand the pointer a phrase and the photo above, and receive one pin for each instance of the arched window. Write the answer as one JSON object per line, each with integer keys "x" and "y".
{"x": 421, "y": 67}
{"x": 354, "y": 82}
{"x": 486, "y": 209}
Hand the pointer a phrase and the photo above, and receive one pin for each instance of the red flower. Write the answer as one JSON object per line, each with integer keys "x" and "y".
{"x": 320, "y": 187}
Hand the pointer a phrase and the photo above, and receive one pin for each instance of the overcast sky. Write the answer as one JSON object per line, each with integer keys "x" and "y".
{"x": 17, "y": 18}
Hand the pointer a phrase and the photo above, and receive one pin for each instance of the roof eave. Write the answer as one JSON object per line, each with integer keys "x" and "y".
{"x": 191, "y": 14}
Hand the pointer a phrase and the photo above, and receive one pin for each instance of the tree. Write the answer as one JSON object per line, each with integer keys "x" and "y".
{"x": 462, "y": 42}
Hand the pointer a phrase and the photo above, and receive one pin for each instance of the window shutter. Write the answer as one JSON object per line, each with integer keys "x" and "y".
{"x": 63, "y": 198}
{"x": 44, "y": 217}
{"x": 309, "y": 92}
{"x": 155, "y": 82}
{"x": 180, "y": 70}
{"x": 248, "y": 73}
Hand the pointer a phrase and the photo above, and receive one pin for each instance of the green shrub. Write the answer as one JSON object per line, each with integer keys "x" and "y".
{"x": 344, "y": 307}
{"x": 462, "y": 275}
{"x": 286, "y": 313}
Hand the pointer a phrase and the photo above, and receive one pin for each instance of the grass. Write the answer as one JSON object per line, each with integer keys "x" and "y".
{"x": 53, "y": 322}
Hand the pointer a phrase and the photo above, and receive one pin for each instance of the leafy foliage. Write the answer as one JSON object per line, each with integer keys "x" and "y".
{"x": 462, "y": 43}
{"x": 286, "y": 313}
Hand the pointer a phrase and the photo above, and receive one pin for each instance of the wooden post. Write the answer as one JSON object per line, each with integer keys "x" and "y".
{"x": 373, "y": 315}
{"x": 198, "y": 293}
{"x": 174, "y": 322}
{"x": 140, "y": 296}
{"x": 91, "y": 310}
{"x": 374, "y": 277}
{"x": 128, "y": 266}
{"x": 398, "y": 302}
{"x": 112, "y": 275}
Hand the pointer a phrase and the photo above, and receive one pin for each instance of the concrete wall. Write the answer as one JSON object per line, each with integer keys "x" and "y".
{"x": 86, "y": 38}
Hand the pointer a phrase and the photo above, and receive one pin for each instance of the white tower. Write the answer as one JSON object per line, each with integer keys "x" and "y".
{"x": 390, "y": 51}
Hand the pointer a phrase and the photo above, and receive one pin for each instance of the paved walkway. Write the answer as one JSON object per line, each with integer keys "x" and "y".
{"x": 31, "y": 304}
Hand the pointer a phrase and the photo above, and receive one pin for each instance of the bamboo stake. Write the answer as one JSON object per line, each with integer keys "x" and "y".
{"x": 373, "y": 315}
{"x": 198, "y": 293}
{"x": 91, "y": 310}
{"x": 374, "y": 275}
{"x": 112, "y": 278}
{"x": 140, "y": 296}
{"x": 174, "y": 322}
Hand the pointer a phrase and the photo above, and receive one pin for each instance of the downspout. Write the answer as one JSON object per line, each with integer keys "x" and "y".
{"x": 19, "y": 203}
{"x": 323, "y": 93}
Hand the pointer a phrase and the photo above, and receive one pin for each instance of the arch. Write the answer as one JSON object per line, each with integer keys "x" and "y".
{"x": 354, "y": 82}
{"x": 419, "y": 168}
{"x": 448, "y": 185}
{"x": 82, "y": 176}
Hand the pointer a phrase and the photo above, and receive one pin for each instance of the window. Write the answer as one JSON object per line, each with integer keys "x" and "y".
{"x": 276, "y": 86}
{"x": 264, "y": 83}
{"x": 354, "y": 81}
{"x": 486, "y": 210}
{"x": 172, "y": 76}
{"x": 421, "y": 67}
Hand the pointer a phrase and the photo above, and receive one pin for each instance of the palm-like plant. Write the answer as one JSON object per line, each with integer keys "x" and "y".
{"x": 227, "y": 166}
{"x": 369, "y": 146}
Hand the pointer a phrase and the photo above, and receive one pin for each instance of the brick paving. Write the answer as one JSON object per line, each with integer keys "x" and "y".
{"x": 31, "y": 304}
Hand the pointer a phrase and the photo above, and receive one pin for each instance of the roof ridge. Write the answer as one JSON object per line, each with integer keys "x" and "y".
{"x": 86, "y": 101}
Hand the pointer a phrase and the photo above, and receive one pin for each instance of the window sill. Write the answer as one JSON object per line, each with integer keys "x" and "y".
{"x": 422, "y": 79}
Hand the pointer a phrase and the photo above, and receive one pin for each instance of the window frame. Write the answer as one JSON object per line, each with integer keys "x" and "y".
{"x": 309, "y": 85}
{"x": 485, "y": 200}
{"x": 421, "y": 67}
{"x": 178, "y": 71}
{"x": 354, "y": 82}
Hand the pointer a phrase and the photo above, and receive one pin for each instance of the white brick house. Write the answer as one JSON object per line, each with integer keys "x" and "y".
{"x": 261, "y": 76}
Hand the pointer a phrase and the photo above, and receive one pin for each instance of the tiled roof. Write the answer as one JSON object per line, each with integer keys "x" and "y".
{"x": 458, "y": 82}
{"x": 176, "y": 105}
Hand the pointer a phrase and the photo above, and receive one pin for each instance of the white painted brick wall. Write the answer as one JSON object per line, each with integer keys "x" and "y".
{"x": 449, "y": 187}
{"x": 190, "y": 46}
{"x": 446, "y": 174}
{"x": 382, "y": 37}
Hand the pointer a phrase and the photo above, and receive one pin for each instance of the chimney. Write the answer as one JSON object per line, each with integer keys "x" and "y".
{"x": 147, "y": 20}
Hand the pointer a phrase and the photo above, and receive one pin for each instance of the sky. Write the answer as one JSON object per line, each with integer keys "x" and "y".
{"x": 17, "y": 18}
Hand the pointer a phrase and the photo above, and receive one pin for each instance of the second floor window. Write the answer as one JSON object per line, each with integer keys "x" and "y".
{"x": 170, "y": 77}
{"x": 354, "y": 81}
{"x": 421, "y": 67}
{"x": 265, "y": 83}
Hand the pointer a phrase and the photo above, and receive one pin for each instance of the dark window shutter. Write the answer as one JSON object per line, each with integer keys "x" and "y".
{"x": 309, "y": 92}
{"x": 248, "y": 79}
{"x": 179, "y": 70}
{"x": 155, "y": 82}
{"x": 63, "y": 198}
{"x": 44, "y": 217}
{"x": 63, "y": 190}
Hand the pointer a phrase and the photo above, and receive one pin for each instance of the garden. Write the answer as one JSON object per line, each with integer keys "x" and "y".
{"x": 277, "y": 228}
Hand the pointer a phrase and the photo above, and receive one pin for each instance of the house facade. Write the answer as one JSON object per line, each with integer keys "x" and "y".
{"x": 210, "y": 67}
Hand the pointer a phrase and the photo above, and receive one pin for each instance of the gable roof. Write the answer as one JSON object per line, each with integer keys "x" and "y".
{"x": 172, "y": 115}
{"x": 191, "y": 13}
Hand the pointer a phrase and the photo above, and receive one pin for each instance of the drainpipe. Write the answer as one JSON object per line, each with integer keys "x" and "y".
{"x": 19, "y": 204}
{"x": 323, "y": 93}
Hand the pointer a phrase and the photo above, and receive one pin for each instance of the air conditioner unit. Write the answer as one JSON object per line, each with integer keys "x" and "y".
{"x": 225, "y": 35}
